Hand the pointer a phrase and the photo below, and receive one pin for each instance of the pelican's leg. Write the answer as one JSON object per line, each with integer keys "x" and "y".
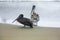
{"x": 24, "y": 26}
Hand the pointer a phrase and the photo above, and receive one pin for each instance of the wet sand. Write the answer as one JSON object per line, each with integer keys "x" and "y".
{"x": 14, "y": 32}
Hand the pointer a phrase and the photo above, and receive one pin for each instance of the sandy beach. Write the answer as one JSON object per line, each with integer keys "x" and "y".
{"x": 14, "y": 32}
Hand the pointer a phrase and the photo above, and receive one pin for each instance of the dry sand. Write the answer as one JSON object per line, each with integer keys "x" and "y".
{"x": 14, "y": 32}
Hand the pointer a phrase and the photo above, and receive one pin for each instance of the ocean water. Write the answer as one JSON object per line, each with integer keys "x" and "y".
{"x": 49, "y": 12}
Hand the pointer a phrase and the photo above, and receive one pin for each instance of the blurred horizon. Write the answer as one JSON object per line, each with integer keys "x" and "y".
{"x": 28, "y": 0}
